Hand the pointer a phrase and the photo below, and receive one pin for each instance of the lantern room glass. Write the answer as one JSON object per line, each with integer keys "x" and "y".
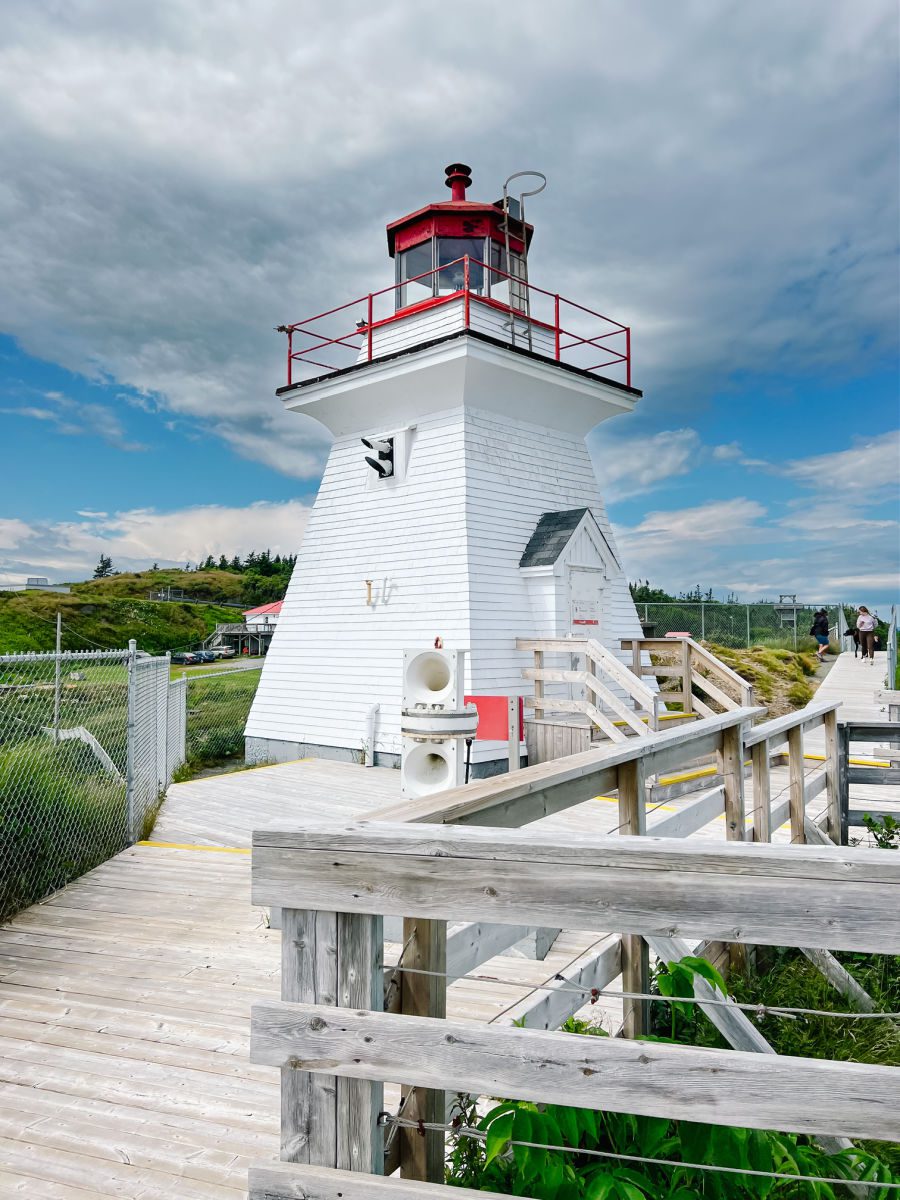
{"x": 435, "y": 268}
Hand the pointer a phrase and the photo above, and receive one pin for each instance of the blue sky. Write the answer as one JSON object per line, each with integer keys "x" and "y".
{"x": 180, "y": 179}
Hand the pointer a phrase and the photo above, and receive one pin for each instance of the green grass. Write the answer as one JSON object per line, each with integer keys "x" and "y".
{"x": 212, "y": 586}
{"x": 60, "y": 815}
{"x": 217, "y": 714}
{"x": 27, "y": 622}
{"x": 780, "y": 675}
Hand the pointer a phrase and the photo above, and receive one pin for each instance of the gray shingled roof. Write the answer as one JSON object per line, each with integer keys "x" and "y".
{"x": 550, "y": 536}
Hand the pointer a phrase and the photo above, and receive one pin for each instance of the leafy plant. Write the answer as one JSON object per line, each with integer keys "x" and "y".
{"x": 884, "y": 830}
{"x": 555, "y": 1152}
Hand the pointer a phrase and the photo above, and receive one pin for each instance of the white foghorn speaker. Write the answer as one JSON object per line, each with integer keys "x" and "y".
{"x": 433, "y": 678}
{"x": 428, "y": 767}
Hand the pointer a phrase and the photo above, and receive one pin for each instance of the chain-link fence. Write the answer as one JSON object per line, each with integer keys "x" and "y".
{"x": 218, "y": 704}
{"x": 785, "y": 624}
{"x": 85, "y": 754}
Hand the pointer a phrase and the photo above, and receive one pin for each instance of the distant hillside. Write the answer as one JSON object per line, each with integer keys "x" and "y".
{"x": 28, "y": 620}
{"x": 214, "y": 586}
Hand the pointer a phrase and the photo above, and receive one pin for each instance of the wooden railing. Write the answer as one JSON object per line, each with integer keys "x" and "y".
{"x": 696, "y": 668}
{"x": 334, "y": 1047}
{"x": 338, "y": 883}
{"x": 604, "y": 677}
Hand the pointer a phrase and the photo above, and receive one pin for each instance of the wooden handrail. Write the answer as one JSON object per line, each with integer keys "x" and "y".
{"x": 809, "y": 718}
{"x": 600, "y": 661}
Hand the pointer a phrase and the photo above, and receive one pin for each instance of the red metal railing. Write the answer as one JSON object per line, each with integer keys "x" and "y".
{"x": 544, "y": 322}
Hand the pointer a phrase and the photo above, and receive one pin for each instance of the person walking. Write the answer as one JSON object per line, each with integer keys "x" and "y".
{"x": 866, "y": 623}
{"x": 819, "y": 630}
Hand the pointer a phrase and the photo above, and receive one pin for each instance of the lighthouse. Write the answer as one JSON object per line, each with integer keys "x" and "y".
{"x": 459, "y": 505}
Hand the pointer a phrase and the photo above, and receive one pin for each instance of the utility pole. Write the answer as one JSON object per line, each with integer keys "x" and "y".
{"x": 58, "y": 677}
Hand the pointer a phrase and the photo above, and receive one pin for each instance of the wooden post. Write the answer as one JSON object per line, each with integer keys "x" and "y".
{"x": 329, "y": 958}
{"x": 425, "y": 948}
{"x": 360, "y": 985}
{"x": 637, "y": 667}
{"x": 832, "y": 778}
{"x": 635, "y": 952}
{"x": 538, "y": 683}
{"x": 730, "y": 765}
{"x": 514, "y": 731}
{"x": 687, "y": 696}
{"x": 797, "y": 794}
{"x": 730, "y": 762}
{"x": 843, "y": 756}
{"x": 762, "y": 793}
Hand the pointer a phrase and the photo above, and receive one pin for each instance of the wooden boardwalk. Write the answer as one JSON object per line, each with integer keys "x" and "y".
{"x": 124, "y": 998}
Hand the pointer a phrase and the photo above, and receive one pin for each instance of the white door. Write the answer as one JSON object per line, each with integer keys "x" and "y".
{"x": 585, "y": 601}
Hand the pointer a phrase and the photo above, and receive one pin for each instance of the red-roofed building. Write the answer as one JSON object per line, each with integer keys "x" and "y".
{"x": 265, "y": 614}
{"x": 250, "y": 636}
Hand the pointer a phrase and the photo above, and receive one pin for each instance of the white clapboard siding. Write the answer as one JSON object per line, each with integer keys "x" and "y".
{"x": 441, "y": 545}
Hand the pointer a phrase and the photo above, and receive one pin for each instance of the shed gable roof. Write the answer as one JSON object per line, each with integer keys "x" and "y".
{"x": 551, "y": 536}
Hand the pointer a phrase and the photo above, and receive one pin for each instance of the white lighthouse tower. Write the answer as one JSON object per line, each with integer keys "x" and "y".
{"x": 459, "y": 501}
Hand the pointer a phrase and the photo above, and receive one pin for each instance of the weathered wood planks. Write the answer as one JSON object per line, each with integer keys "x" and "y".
{"x": 740, "y": 892}
{"x": 654, "y": 1079}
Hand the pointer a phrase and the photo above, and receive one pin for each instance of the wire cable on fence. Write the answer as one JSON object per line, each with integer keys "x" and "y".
{"x": 386, "y": 1119}
{"x": 559, "y": 983}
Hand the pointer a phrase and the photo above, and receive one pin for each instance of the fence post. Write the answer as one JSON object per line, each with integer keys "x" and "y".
{"x": 748, "y": 625}
{"x": 843, "y": 757}
{"x": 702, "y": 621}
{"x": 514, "y": 731}
{"x": 832, "y": 778}
{"x": 687, "y": 696}
{"x": 57, "y": 677}
{"x": 730, "y": 764}
{"x": 538, "y": 684}
{"x": 762, "y": 793}
{"x": 425, "y": 949}
{"x": 797, "y": 784}
{"x": 130, "y": 834}
{"x": 635, "y": 952}
{"x": 331, "y": 959}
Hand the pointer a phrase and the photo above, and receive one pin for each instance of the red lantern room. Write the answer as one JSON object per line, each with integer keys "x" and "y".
{"x": 429, "y": 246}
{"x": 460, "y": 269}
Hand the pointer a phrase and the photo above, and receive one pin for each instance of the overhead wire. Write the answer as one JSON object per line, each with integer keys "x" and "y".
{"x": 558, "y": 983}
{"x": 386, "y": 1119}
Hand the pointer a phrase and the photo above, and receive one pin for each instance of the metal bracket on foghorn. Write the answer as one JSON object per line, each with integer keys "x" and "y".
{"x": 437, "y": 724}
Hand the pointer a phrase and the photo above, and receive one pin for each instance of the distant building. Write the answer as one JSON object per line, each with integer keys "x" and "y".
{"x": 250, "y": 636}
{"x": 35, "y": 583}
{"x": 264, "y": 616}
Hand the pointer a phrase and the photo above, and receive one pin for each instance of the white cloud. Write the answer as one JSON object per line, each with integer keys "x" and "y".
{"x": 868, "y": 471}
{"x": 136, "y": 539}
{"x": 630, "y": 466}
{"x": 74, "y": 418}
{"x": 181, "y": 178}
{"x": 715, "y": 522}
{"x": 13, "y": 532}
{"x": 876, "y": 581}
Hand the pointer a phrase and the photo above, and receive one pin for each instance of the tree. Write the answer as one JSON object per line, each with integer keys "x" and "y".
{"x": 104, "y": 567}
{"x": 155, "y": 567}
{"x": 642, "y": 592}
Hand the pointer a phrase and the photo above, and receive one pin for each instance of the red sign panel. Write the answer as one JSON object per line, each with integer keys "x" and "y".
{"x": 493, "y": 717}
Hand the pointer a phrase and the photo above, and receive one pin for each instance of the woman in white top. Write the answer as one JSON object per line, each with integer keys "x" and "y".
{"x": 866, "y": 623}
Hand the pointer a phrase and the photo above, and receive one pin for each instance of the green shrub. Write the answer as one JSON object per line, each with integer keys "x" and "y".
{"x": 496, "y": 1164}
{"x": 60, "y": 815}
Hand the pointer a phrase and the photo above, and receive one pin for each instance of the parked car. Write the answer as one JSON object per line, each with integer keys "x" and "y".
{"x": 185, "y": 658}
{"x": 205, "y": 656}
{"x": 224, "y": 652}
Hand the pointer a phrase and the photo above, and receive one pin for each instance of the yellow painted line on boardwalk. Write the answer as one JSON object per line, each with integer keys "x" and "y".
{"x": 189, "y": 846}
